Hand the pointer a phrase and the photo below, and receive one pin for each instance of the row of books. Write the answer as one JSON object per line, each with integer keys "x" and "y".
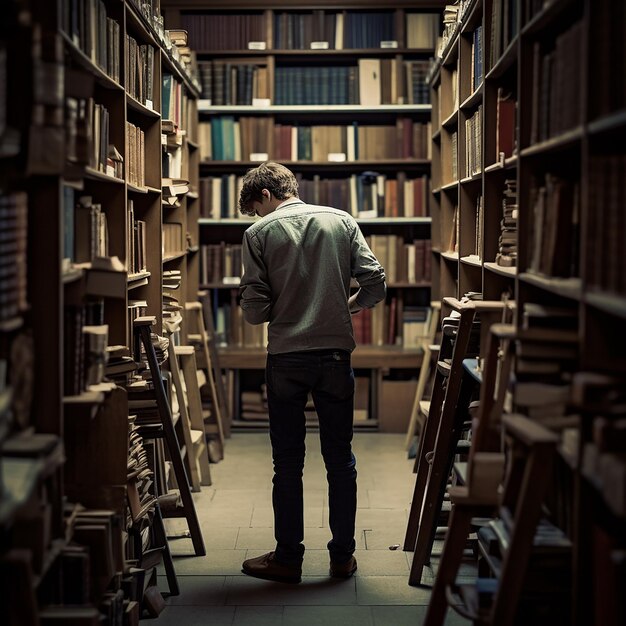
{"x": 608, "y": 59}
{"x": 474, "y": 143}
{"x": 135, "y": 155}
{"x": 370, "y": 83}
{"x": 478, "y": 227}
{"x": 173, "y": 239}
{"x": 507, "y": 243}
{"x": 227, "y": 139}
{"x": 504, "y": 28}
{"x": 554, "y": 240}
{"x": 404, "y": 262}
{"x": 304, "y": 30}
{"x": 392, "y": 323}
{"x": 607, "y": 224}
{"x": 476, "y": 74}
{"x": 86, "y": 23}
{"x": 228, "y": 83}
{"x": 136, "y": 245}
{"x": 13, "y": 254}
{"x": 87, "y": 137}
{"x": 369, "y": 195}
{"x": 91, "y": 233}
{"x": 221, "y": 263}
{"x": 224, "y": 32}
{"x": 174, "y": 103}
{"x": 506, "y": 122}
{"x": 139, "y": 71}
{"x": 556, "y": 103}
{"x": 84, "y": 345}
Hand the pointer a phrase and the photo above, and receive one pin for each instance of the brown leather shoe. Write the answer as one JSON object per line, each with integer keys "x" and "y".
{"x": 266, "y": 567}
{"x": 343, "y": 570}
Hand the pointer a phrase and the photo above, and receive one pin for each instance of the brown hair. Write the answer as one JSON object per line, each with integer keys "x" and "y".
{"x": 276, "y": 178}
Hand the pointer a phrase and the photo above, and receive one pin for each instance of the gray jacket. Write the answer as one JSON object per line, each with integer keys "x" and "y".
{"x": 298, "y": 261}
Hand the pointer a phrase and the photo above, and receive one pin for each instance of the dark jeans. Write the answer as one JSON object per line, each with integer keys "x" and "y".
{"x": 328, "y": 375}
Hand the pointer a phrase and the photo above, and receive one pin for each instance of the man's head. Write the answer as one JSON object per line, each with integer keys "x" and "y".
{"x": 265, "y": 187}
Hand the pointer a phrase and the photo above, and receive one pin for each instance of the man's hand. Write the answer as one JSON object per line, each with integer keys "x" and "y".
{"x": 353, "y": 307}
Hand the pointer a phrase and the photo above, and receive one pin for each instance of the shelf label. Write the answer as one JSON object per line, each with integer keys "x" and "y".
{"x": 389, "y": 44}
{"x": 232, "y": 280}
{"x": 319, "y": 45}
{"x": 163, "y": 139}
{"x": 261, "y": 102}
{"x": 149, "y": 104}
{"x": 337, "y": 157}
{"x": 257, "y": 45}
{"x": 259, "y": 156}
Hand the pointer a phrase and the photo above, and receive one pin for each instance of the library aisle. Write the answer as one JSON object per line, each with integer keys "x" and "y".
{"x": 237, "y": 523}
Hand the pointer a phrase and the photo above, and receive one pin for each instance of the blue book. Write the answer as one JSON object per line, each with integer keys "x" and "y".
{"x": 166, "y": 94}
{"x": 217, "y": 139}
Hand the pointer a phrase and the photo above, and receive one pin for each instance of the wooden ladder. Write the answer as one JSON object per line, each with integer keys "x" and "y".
{"x": 213, "y": 422}
{"x": 192, "y": 427}
{"x": 141, "y": 331}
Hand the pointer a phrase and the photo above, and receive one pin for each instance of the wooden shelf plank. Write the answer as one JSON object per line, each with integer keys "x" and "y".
{"x": 101, "y": 176}
{"x": 373, "y": 221}
{"x": 450, "y": 256}
{"x": 316, "y": 109}
{"x": 345, "y": 52}
{"x": 327, "y": 165}
{"x": 613, "y": 304}
{"x": 550, "y": 14}
{"x": 474, "y": 98}
{"x": 11, "y": 324}
{"x": 472, "y": 259}
{"x": 134, "y": 104}
{"x": 365, "y": 357}
{"x": 608, "y": 123}
{"x": 506, "y": 61}
{"x": 566, "y": 287}
{"x": 174, "y": 257}
{"x": 510, "y": 272}
{"x": 563, "y": 141}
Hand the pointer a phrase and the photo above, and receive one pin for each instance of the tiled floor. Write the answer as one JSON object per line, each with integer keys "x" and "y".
{"x": 236, "y": 518}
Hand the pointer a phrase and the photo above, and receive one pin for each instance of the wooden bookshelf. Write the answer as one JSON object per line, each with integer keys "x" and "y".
{"x": 78, "y": 194}
{"x": 270, "y": 57}
{"x": 565, "y": 141}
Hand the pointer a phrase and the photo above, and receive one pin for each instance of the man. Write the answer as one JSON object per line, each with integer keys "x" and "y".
{"x": 298, "y": 261}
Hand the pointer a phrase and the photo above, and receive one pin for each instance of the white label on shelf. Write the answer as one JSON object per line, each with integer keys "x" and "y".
{"x": 319, "y": 45}
{"x": 110, "y": 170}
{"x": 337, "y": 157}
{"x": 149, "y": 104}
{"x": 163, "y": 139}
{"x": 257, "y": 45}
{"x": 232, "y": 280}
{"x": 261, "y": 102}
{"x": 259, "y": 156}
{"x": 204, "y": 103}
{"x": 389, "y": 44}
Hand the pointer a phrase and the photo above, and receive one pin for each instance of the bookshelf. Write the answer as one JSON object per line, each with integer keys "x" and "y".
{"x": 82, "y": 139}
{"x": 528, "y": 126}
{"x": 284, "y": 85}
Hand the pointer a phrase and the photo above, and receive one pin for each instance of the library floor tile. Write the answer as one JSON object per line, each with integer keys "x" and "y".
{"x": 380, "y": 517}
{"x": 215, "y": 563}
{"x": 256, "y": 539}
{"x": 376, "y": 537}
{"x": 389, "y": 498}
{"x": 214, "y": 517}
{"x": 196, "y": 616}
{"x": 226, "y": 498}
{"x": 327, "y": 616}
{"x": 263, "y": 516}
{"x": 200, "y": 591}
{"x": 312, "y": 591}
{"x": 258, "y": 616}
{"x": 410, "y": 616}
{"x": 389, "y": 590}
